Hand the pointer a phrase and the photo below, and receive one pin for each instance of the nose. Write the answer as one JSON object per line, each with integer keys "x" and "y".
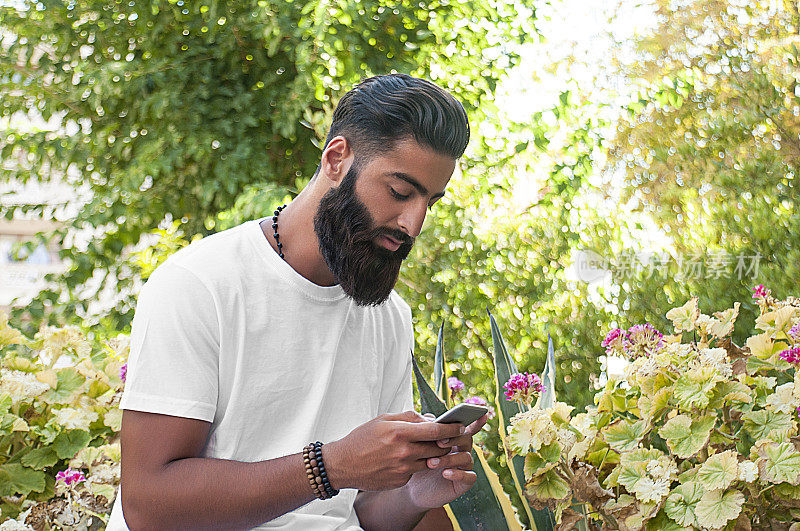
{"x": 412, "y": 218}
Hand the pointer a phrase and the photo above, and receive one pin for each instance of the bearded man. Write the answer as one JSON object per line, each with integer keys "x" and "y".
{"x": 269, "y": 380}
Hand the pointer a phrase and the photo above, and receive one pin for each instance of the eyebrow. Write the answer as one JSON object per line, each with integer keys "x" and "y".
{"x": 413, "y": 182}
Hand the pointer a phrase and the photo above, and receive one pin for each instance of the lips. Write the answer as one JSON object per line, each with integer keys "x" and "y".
{"x": 389, "y": 242}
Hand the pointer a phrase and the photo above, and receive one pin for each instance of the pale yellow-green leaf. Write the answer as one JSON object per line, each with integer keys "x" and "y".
{"x": 722, "y": 325}
{"x": 49, "y": 377}
{"x": 547, "y": 486}
{"x": 719, "y": 471}
{"x": 113, "y": 419}
{"x": 767, "y": 424}
{"x": 20, "y": 425}
{"x": 796, "y": 388}
{"x": 779, "y": 462}
{"x": 686, "y": 437}
{"x": 624, "y": 436}
{"x": 733, "y": 391}
{"x": 774, "y": 320}
{"x": 783, "y": 399}
{"x": 103, "y": 489}
{"x": 10, "y": 335}
{"x": 682, "y": 503}
{"x": 762, "y": 346}
{"x": 716, "y": 508}
{"x": 695, "y": 387}
{"x": 684, "y": 318}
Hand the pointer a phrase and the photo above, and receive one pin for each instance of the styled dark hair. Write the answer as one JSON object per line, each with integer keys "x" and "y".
{"x": 381, "y": 110}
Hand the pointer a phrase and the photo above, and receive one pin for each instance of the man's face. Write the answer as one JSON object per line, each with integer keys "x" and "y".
{"x": 367, "y": 225}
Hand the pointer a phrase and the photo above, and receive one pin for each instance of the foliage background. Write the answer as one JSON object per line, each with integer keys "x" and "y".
{"x": 172, "y": 120}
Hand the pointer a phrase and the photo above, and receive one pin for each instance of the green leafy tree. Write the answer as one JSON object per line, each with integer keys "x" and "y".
{"x": 710, "y": 150}
{"x": 170, "y": 110}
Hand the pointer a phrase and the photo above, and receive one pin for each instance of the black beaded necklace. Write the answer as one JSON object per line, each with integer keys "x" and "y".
{"x": 275, "y": 228}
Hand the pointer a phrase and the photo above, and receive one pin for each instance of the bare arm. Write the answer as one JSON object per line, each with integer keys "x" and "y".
{"x": 165, "y": 484}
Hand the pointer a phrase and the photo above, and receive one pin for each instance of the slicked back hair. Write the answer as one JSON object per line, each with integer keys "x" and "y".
{"x": 382, "y": 110}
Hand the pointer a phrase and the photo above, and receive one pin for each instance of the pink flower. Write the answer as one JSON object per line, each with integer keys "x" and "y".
{"x": 642, "y": 340}
{"x": 792, "y": 355}
{"x": 123, "y": 372}
{"x": 455, "y": 384}
{"x": 480, "y": 402}
{"x": 522, "y": 387}
{"x": 71, "y": 476}
{"x": 760, "y": 292}
{"x": 794, "y": 333}
{"x": 613, "y": 342}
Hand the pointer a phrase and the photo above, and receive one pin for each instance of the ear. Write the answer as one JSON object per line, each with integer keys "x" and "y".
{"x": 336, "y": 159}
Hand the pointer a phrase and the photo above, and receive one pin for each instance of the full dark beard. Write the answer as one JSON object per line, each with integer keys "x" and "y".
{"x": 347, "y": 234}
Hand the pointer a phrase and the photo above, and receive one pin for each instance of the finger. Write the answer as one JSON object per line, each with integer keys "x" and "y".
{"x": 430, "y": 416}
{"x": 463, "y": 478}
{"x": 462, "y": 460}
{"x": 476, "y": 426}
{"x": 461, "y": 441}
{"x": 428, "y": 450}
{"x": 405, "y": 416}
{"x": 429, "y": 431}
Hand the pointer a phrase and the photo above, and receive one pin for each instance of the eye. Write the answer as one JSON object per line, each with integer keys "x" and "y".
{"x": 398, "y": 195}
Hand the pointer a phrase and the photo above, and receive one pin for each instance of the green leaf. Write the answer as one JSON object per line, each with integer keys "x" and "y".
{"x": 547, "y": 487}
{"x": 767, "y": 423}
{"x": 547, "y": 457}
{"x": 483, "y": 503}
{"x": 624, "y": 436}
{"x": 719, "y": 471}
{"x": 695, "y": 387}
{"x": 69, "y": 442}
{"x": 504, "y": 367}
{"x": 16, "y": 479}
{"x": 716, "y": 508}
{"x": 40, "y": 458}
{"x": 685, "y": 437}
{"x": 682, "y": 503}
{"x": 779, "y": 462}
{"x": 439, "y": 372}
{"x": 548, "y": 396}
{"x": 631, "y": 473}
{"x": 69, "y": 380}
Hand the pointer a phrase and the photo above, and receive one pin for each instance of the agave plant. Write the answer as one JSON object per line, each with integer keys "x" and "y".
{"x": 486, "y": 505}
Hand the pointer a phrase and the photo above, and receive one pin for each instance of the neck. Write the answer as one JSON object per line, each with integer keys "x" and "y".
{"x": 300, "y": 243}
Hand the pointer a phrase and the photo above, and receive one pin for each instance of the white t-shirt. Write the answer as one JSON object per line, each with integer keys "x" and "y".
{"x": 227, "y": 332}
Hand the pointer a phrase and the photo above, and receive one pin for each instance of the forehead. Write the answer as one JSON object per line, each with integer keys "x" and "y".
{"x": 431, "y": 169}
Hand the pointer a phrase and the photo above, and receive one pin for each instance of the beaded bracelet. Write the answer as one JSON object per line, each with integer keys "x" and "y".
{"x": 316, "y": 473}
{"x": 329, "y": 490}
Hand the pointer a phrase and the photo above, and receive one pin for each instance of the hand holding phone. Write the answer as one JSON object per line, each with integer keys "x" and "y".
{"x": 464, "y": 414}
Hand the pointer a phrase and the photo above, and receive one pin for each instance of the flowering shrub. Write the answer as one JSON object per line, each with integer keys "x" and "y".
{"x": 699, "y": 434}
{"x": 59, "y": 397}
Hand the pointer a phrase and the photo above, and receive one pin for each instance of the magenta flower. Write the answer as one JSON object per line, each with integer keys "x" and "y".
{"x": 760, "y": 292}
{"x": 455, "y": 385}
{"x": 522, "y": 387}
{"x": 794, "y": 333}
{"x": 71, "y": 476}
{"x": 792, "y": 355}
{"x": 478, "y": 401}
{"x": 123, "y": 372}
{"x": 613, "y": 343}
{"x": 642, "y": 340}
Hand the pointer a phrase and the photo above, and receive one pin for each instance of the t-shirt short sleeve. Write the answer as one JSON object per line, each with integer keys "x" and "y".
{"x": 175, "y": 342}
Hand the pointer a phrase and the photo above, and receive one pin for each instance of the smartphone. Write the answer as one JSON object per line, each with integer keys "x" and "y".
{"x": 464, "y": 414}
